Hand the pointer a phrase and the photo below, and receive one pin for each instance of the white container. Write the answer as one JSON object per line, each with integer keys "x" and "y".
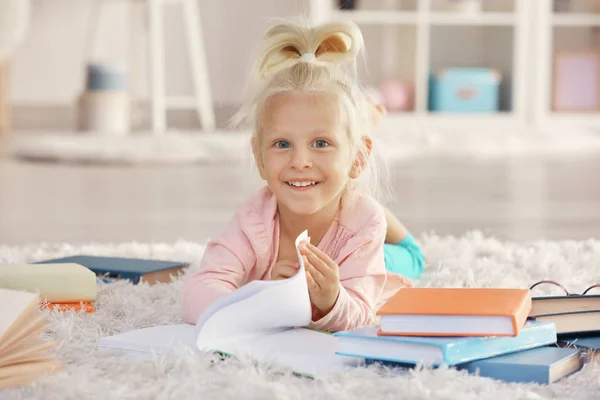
{"x": 104, "y": 112}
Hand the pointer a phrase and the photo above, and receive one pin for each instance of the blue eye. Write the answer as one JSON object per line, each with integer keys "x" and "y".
{"x": 282, "y": 144}
{"x": 320, "y": 143}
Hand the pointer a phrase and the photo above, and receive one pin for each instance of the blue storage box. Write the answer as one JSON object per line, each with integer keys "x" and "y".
{"x": 464, "y": 90}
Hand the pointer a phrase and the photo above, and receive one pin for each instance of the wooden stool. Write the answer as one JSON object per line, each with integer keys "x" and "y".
{"x": 201, "y": 101}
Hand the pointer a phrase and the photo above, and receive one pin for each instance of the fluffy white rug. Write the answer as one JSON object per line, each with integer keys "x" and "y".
{"x": 396, "y": 143}
{"x": 466, "y": 261}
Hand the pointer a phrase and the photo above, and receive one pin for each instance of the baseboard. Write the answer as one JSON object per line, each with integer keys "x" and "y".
{"x": 64, "y": 118}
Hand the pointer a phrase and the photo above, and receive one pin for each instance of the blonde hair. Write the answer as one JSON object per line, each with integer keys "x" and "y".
{"x": 320, "y": 60}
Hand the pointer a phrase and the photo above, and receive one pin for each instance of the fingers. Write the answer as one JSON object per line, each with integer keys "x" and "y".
{"x": 320, "y": 261}
{"x": 313, "y": 286}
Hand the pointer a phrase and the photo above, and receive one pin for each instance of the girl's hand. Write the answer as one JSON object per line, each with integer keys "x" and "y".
{"x": 284, "y": 269}
{"x": 322, "y": 275}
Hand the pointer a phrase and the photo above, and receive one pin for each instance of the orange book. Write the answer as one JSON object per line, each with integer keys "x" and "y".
{"x": 455, "y": 312}
{"x": 86, "y": 306}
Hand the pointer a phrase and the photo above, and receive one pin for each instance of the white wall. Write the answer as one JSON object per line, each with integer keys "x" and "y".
{"x": 49, "y": 66}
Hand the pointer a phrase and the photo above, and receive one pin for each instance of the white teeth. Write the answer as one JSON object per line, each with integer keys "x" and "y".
{"x": 301, "y": 184}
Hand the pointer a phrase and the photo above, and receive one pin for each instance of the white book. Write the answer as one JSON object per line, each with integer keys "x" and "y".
{"x": 264, "y": 320}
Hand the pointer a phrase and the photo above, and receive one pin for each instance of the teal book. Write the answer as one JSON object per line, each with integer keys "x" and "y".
{"x": 135, "y": 270}
{"x": 365, "y": 343}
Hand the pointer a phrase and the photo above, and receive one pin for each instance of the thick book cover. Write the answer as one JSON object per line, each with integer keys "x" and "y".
{"x": 570, "y": 324}
{"x": 366, "y": 343}
{"x": 133, "y": 269}
{"x": 543, "y": 305}
{"x": 543, "y": 365}
{"x": 455, "y": 312}
{"x": 583, "y": 342}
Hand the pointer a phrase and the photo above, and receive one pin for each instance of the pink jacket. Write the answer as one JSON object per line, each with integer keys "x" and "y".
{"x": 247, "y": 251}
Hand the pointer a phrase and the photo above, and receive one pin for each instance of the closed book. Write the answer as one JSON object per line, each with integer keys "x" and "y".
{"x": 88, "y": 307}
{"x": 564, "y": 304}
{"x": 455, "y": 312}
{"x": 543, "y": 365}
{"x": 57, "y": 283}
{"x": 584, "y": 342}
{"x": 573, "y": 323}
{"x": 366, "y": 343}
{"x": 135, "y": 270}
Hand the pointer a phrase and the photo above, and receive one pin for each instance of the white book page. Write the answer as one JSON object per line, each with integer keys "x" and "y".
{"x": 302, "y": 350}
{"x": 262, "y": 308}
{"x": 162, "y": 339}
{"x": 14, "y": 302}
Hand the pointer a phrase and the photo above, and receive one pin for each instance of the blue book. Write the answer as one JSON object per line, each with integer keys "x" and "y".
{"x": 592, "y": 342}
{"x": 133, "y": 269}
{"x": 543, "y": 365}
{"x": 365, "y": 343}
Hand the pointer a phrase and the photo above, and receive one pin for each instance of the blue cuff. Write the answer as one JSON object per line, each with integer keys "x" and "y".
{"x": 404, "y": 258}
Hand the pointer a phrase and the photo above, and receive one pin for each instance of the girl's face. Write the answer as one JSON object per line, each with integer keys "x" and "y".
{"x": 302, "y": 152}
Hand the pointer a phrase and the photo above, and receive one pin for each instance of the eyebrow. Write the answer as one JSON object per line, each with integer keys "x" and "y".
{"x": 315, "y": 132}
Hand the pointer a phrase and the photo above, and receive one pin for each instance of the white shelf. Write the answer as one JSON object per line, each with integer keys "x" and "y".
{"x": 437, "y": 119}
{"x": 433, "y": 18}
{"x": 576, "y": 20}
{"x": 591, "y": 119}
{"x": 424, "y": 19}
{"x": 375, "y": 17}
{"x": 477, "y": 19}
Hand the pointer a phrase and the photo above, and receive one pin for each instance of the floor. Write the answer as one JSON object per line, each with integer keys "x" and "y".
{"x": 517, "y": 199}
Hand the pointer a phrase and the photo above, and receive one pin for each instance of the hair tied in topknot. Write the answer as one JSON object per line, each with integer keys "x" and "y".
{"x": 286, "y": 45}
{"x": 308, "y": 57}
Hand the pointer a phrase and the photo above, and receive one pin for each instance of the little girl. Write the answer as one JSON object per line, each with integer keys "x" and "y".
{"x": 311, "y": 141}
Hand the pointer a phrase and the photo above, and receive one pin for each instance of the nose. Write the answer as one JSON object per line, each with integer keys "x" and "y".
{"x": 300, "y": 158}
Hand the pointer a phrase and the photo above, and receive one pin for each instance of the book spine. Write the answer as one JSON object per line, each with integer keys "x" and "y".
{"x": 521, "y": 315}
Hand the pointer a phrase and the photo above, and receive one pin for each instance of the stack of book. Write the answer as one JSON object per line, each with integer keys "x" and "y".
{"x": 576, "y": 317}
{"x": 70, "y": 283}
{"x": 483, "y": 331}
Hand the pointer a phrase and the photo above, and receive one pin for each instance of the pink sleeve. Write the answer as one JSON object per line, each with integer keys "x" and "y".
{"x": 223, "y": 269}
{"x": 362, "y": 279}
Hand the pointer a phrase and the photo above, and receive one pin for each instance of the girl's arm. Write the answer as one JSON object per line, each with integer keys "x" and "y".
{"x": 396, "y": 231}
{"x": 362, "y": 280}
{"x": 402, "y": 253}
{"x": 222, "y": 270}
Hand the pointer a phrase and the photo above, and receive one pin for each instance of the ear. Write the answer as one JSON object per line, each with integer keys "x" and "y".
{"x": 362, "y": 159}
{"x": 258, "y": 157}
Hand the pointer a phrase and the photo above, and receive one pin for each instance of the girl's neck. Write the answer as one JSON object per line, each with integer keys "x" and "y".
{"x": 317, "y": 224}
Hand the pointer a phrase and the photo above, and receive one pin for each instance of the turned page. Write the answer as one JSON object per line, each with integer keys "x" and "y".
{"x": 256, "y": 309}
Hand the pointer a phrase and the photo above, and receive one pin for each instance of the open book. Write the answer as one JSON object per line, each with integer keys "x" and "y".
{"x": 262, "y": 320}
{"x": 24, "y": 357}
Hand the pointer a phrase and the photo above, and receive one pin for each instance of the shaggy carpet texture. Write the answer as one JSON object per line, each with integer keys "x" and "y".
{"x": 472, "y": 260}
{"x": 395, "y": 143}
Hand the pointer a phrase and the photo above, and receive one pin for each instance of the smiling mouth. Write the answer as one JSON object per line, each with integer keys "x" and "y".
{"x": 302, "y": 184}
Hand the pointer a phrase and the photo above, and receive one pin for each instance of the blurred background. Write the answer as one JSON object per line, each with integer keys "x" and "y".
{"x": 114, "y": 114}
